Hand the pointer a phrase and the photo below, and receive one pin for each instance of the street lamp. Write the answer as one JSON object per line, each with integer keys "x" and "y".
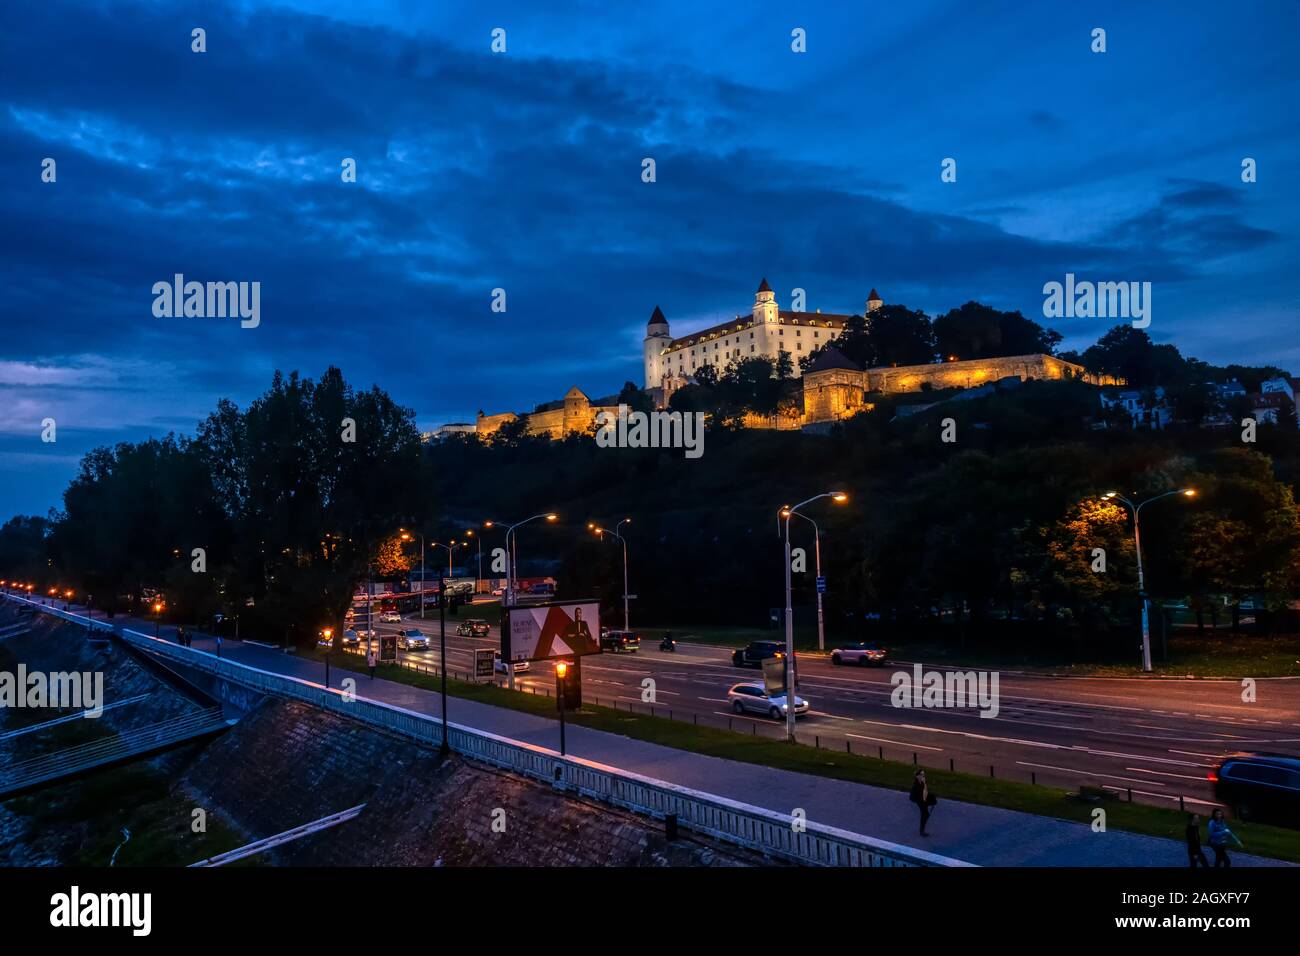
{"x": 406, "y": 536}
{"x": 561, "y": 672}
{"x": 512, "y": 570}
{"x": 786, "y": 513}
{"x": 604, "y": 531}
{"x": 1137, "y": 546}
{"x": 478, "y": 539}
{"x": 817, "y": 552}
{"x": 157, "y": 617}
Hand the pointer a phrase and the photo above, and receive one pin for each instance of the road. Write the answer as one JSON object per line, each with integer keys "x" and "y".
{"x": 1156, "y": 738}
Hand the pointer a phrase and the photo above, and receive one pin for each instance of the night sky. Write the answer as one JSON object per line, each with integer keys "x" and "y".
{"x": 522, "y": 170}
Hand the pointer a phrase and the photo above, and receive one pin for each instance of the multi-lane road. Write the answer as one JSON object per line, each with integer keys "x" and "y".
{"x": 1157, "y": 738}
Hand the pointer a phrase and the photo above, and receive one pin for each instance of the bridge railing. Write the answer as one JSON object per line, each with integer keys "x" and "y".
{"x": 755, "y": 828}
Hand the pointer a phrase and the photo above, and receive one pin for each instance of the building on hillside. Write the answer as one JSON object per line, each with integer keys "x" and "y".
{"x": 767, "y": 331}
{"x": 835, "y": 387}
{"x": 1269, "y": 406}
{"x": 1286, "y": 386}
{"x": 449, "y": 429}
{"x": 1146, "y": 407}
{"x": 573, "y": 413}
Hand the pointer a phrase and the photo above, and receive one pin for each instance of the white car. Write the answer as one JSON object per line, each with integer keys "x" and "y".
{"x": 500, "y": 667}
{"x": 752, "y": 698}
{"x": 390, "y": 617}
{"x": 412, "y": 640}
{"x": 862, "y": 654}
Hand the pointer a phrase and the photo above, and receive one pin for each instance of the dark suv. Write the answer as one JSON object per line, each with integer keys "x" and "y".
{"x": 1263, "y": 787}
{"x": 757, "y": 652}
{"x": 620, "y": 642}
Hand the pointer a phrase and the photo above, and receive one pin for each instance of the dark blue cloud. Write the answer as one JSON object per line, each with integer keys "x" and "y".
{"x": 522, "y": 171}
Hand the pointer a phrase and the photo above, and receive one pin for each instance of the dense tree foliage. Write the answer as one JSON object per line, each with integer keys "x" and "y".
{"x": 271, "y": 513}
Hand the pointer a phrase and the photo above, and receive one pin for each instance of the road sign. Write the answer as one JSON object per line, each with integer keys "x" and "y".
{"x": 821, "y": 584}
{"x": 483, "y": 658}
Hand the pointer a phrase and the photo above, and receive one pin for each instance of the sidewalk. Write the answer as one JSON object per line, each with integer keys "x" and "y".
{"x": 987, "y": 836}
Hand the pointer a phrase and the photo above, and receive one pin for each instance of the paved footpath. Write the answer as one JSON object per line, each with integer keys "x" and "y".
{"x": 987, "y": 836}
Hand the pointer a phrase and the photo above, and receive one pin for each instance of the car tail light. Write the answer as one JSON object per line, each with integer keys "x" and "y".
{"x": 1212, "y": 777}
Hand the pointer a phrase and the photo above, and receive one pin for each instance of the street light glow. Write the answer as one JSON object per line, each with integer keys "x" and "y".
{"x": 552, "y": 517}
{"x": 839, "y": 496}
{"x": 1190, "y": 492}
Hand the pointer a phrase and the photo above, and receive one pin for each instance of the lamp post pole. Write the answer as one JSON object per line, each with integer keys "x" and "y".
{"x": 407, "y": 535}
{"x": 817, "y": 552}
{"x": 442, "y": 662}
{"x": 1136, "y": 509}
{"x": 512, "y": 570}
{"x": 790, "y": 697}
{"x": 623, "y": 541}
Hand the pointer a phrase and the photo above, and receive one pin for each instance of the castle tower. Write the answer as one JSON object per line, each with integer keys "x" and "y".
{"x": 765, "y": 308}
{"x": 874, "y": 301}
{"x": 657, "y": 338}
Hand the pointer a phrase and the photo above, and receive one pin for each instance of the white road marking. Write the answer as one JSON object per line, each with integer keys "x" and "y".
{"x": 1158, "y": 773}
{"x": 1089, "y": 773}
{"x": 896, "y": 743}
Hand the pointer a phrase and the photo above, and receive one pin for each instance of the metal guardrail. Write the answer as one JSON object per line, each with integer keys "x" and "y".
{"x": 128, "y": 743}
{"x": 754, "y": 828}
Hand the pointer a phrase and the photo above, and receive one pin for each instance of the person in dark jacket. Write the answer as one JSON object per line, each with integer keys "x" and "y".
{"x": 923, "y": 798}
{"x": 1194, "y": 851}
{"x": 1219, "y": 836}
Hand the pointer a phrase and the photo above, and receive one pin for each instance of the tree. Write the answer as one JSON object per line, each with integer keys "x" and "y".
{"x": 635, "y": 398}
{"x": 977, "y": 331}
{"x": 898, "y": 335}
{"x": 1129, "y": 354}
{"x": 23, "y": 548}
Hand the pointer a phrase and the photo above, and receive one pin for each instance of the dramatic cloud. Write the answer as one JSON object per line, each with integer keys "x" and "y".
{"x": 522, "y": 171}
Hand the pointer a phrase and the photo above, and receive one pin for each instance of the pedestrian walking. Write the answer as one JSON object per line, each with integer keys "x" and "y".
{"x": 218, "y": 645}
{"x": 923, "y": 798}
{"x": 180, "y": 635}
{"x": 1194, "y": 852}
{"x": 1219, "y": 837}
{"x": 370, "y": 662}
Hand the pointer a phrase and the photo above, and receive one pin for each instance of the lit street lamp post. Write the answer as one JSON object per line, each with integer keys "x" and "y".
{"x": 786, "y": 513}
{"x": 604, "y": 531}
{"x": 512, "y": 570}
{"x": 1137, "y": 546}
{"x": 406, "y": 536}
{"x": 478, "y": 540}
{"x": 817, "y": 552}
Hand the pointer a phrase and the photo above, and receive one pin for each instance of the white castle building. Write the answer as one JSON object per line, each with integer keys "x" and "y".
{"x": 767, "y": 331}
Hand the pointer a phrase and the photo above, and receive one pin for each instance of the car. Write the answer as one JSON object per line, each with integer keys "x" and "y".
{"x": 390, "y": 617}
{"x": 500, "y": 667}
{"x": 1263, "y": 787}
{"x": 366, "y": 635}
{"x": 756, "y": 652}
{"x": 351, "y": 638}
{"x": 752, "y": 698}
{"x": 412, "y": 639}
{"x": 862, "y": 654}
{"x": 498, "y": 592}
{"x": 620, "y": 642}
{"x": 473, "y": 627}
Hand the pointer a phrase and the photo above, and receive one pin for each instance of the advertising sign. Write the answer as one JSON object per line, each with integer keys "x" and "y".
{"x": 541, "y": 632}
{"x": 388, "y": 648}
{"x": 483, "y": 658}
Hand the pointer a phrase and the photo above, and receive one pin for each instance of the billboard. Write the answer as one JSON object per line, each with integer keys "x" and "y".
{"x": 483, "y": 662}
{"x": 541, "y": 632}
